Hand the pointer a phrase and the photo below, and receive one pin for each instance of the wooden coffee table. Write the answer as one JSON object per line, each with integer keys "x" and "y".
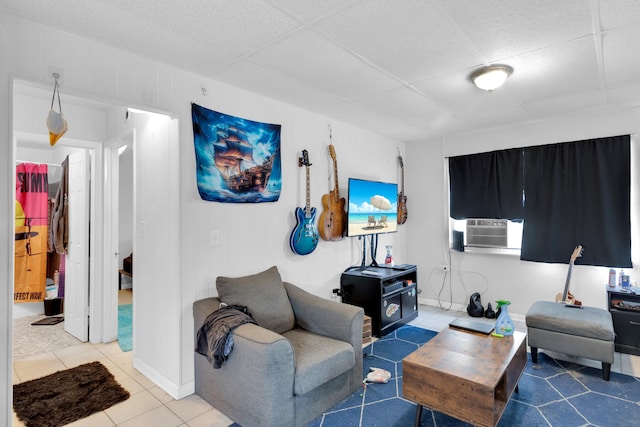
{"x": 466, "y": 375}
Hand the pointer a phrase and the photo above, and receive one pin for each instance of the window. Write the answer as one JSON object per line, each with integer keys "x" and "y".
{"x": 567, "y": 193}
{"x": 494, "y": 233}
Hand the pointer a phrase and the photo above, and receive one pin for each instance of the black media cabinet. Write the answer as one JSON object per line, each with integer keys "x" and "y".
{"x": 388, "y": 295}
{"x": 624, "y": 305}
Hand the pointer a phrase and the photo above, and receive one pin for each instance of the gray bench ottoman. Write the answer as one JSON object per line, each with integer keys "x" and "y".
{"x": 583, "y": 332}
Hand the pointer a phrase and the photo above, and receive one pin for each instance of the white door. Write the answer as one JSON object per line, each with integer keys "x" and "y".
{"x": 76, "y": 287}
{"x": 112, "y": 215}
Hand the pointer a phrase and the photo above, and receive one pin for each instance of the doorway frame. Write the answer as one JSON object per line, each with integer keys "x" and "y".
{"x": 111, "y": 230}
{"x": 96, "y": 246}
{"x": 144, "y": 362}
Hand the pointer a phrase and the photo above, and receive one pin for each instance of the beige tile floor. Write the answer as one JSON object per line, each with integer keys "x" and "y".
{"x": 151, "y": 406}
{"x": 148, "y": 405}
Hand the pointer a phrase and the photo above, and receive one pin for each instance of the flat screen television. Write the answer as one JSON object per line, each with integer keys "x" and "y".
{"x": 373, "y": 207}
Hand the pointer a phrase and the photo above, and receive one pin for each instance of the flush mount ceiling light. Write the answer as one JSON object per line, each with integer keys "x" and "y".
{"x": 491, "y": 77}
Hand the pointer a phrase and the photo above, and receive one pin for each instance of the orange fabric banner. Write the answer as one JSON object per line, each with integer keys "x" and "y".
{"x": 31, "y": 226}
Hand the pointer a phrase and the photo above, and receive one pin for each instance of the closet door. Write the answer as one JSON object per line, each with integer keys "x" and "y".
{"x": 76, "y": 291}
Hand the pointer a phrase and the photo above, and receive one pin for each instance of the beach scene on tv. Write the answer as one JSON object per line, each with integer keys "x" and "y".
{"x": 373, "y": 207}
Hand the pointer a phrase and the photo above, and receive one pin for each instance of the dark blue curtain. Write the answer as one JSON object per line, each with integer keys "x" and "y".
{"x": 578, "y": 193}
{"x": 575, "y": 193}
{"x": 486, "y": 185}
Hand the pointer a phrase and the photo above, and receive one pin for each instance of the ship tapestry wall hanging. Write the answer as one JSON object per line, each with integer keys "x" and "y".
{"x": 237, "y": 160}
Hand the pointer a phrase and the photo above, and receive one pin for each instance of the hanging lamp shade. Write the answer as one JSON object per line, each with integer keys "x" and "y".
{"x": 56, "y": 123}
{"x": 57, "y": 126}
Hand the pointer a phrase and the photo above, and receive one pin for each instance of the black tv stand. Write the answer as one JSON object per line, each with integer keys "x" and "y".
{"x": 388, "y": 295}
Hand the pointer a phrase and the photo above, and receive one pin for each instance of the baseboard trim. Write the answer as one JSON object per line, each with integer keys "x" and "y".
{"x": 177, "y": 391}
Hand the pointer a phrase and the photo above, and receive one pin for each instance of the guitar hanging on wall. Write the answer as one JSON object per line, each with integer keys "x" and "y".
{"x": 333, "y": 218}
{"x": 567, "y": 297}
{"x": 304, "y": 237}
{"x": 402, "y": 199}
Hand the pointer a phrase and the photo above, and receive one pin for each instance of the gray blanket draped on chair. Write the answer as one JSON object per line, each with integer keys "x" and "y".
{"x": 214, "y": 338}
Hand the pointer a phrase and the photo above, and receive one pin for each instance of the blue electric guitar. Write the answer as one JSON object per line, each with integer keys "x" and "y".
{"x": 304, "y": 237}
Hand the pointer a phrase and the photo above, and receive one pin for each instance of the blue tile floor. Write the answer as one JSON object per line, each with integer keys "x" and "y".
{"x": 551, "y": 393}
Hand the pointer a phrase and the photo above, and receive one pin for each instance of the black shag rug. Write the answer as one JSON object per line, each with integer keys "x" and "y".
{"x": 67, "y": 396}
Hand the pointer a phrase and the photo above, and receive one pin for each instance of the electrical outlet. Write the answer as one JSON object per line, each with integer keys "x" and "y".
{"x": 443, "y": 267}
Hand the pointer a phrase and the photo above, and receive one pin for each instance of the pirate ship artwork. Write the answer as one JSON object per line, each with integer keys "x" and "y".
{"x": 237, "y": 160}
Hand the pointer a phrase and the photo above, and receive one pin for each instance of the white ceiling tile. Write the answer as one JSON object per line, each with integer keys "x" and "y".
{"x": 445, "y": 126}
{"x": 555, "y": 71}
{"x": 375, "y": 122}
{"x": 310, "y": 10}
{"x": 575, "y": 102}
{"x": 236, "y": 26}
{"x": 621, "y": 55}
{"x": 624, "y": 96}
{"x": 413, "y": 41}
{"x": 404, "y": 104}
{"x": 312, "y": 59}
{"x": 485, "y": 118}
{"x": 615, "y": 13}
{"x": 502, "y": 29}
{"x": 271, "y": 83}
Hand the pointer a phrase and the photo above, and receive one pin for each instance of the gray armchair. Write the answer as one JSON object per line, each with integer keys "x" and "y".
{"x": 303, "y": 357}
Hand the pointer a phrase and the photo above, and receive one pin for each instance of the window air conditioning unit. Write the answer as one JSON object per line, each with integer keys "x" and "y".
{"x": 487, "y": 233}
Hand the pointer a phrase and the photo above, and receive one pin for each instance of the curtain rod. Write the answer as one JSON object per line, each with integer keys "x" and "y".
{"x": 38, "y": 163}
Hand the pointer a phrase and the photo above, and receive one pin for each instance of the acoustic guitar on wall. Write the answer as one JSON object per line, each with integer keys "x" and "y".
{"x": 333, "y": 218}
{"x": 304, "y": 237}
{"x": 567, "y": 297}
{"x": 402, "y": 199}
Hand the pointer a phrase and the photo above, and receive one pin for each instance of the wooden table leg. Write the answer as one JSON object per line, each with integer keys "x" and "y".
{"x": 418, "y": 414}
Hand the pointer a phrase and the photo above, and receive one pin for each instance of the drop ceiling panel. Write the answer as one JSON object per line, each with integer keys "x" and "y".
{"x": 486, "y": 118}
{"x": 615, "y": 13}
{"x": 272, "y": 83}
{"x": 311, "y": 10}
{"x": 380, "y": 124}
{"x": 413, "y": 41}
{"x": 622, "y": 55}
{"x": 555, "y": 71}
{"x": 237, "y": 26}
{"x": 403, "y": 104}
{"x": 577, "y": 102}
{"x": 443, "y": 126}
{"x": 503, "y": 29}
{"x": 624, "y": 96}
{"x": 312, "y": 59}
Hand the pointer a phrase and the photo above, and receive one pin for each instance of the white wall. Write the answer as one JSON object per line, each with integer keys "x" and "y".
{"x": 253, "y": 236}
{"x": 502, "y": 276}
